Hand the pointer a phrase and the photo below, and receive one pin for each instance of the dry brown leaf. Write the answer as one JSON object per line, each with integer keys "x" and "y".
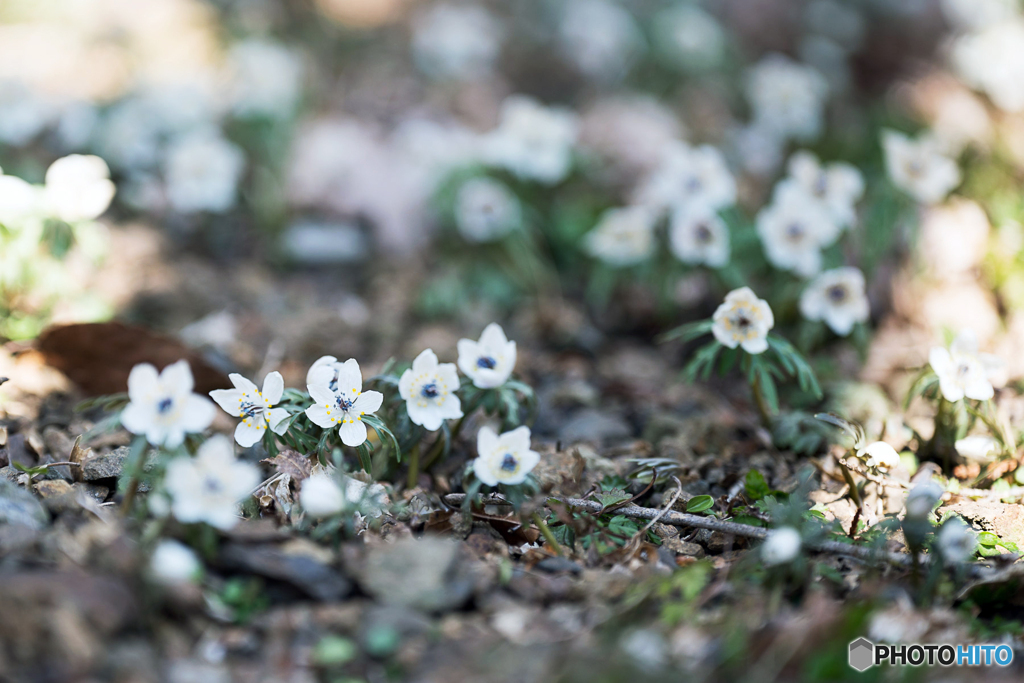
{"x": 292, "y": 463}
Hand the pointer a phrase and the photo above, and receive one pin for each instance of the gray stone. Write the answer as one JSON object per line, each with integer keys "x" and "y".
{"x": 596, "y": 426}
{"x": 423, "y": 574}
{"x": 18, "y": 506}
{"x": 1004, "y": 520}
{"x": 50, "y": 488}
{"x": 106, "y": 465}
{"x": 680, "y": 547}
{"x": 305, "y": 572}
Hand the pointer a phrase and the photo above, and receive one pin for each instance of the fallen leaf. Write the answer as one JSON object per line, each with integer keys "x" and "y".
{"x": 292, "y": 463}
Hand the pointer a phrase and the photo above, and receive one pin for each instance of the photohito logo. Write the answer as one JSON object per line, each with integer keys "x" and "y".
{"x": 865, "y": 654}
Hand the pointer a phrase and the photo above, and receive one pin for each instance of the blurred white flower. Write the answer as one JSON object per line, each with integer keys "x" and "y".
{"x": 209, "y": 487}
{"x": 339, "y": 400}
{"x": 978, "y": 447}
{"x": 428, "y": 388}
{"x": 255, "y": 407}
{"x": 880, "y": 456}
{"x": 687, "y": 175}
{"x": 972, "y": 15}
{"x": 265, "y": 79}
{"x": 490, "y": 361}
{"x": 787, "y": 97}
{"x": 600, "y": 37}
{"x": 956, "y": 541}
{"x": 486, "y": 210}
{"x": 533, "y": 141}
{"x": 919, "y": 167}
{"x": 837, "y": 297}
{"x": 504, "y": 459}
{"x": 372, "y": 500}
{"x": 837, "y": 185}
{"x": 743, "y": 320}
{"x": 922, "y": 499}
{"x": 457, "y": 42}
{"x": 202, "y": 172}
{"x": 321, "y": 496}
{"x": 992, "y": 60}
{"x": 962, "y": 371}
{"x": 173, "y": 564}
{"x": 78, "y": 188}
{"x": 622, "y": 237}
{"x": 163, "y": 407}
{"x": 697, "y": 235}
{"x": 689, "y": 37}
{"x": 782, "y": 545}
{"x": 19, "y": 200}
{"x": 793, "y": 229}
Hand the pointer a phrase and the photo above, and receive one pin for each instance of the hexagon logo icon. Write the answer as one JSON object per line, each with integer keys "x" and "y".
{"x": 862, "y": 654}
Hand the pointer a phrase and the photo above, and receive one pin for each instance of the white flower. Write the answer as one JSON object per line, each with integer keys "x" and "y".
{"x": 601, "y": 38}
{"x": 202, "y": 172}
{"x": 78, "y": 188}
{"x": 743, "y": 320}
{"x": 209, "y": 487}
{"x": 793, "y": 229}
{"x": 787, "y": 97}
{"x": 922, "y": 499}
{"x": 504, "y": 459}
{"x": 837, "y": 297}
{"x": 689, "y": 176}
{"x": 690, "y": 37}
{"x": 782, "y": 545}
{"x": 490, "y": 361}
{"x": 339, "y": 399}
{"x": 163, "y": 407}
{"x": 992, "y": 60}
{"x": 255, "y": 407}
{"x": 979, "y": 447}
{"x": 622, "y": 237}
{"x": 19, "y": 200}
{"x": 956, "y": 541}
{"x": 486, "y": 210}
{"x": 697, "y": 235}
{"x": 372, "y": 499}
{"x": 880, "y": 456}
{"x": 837, "y": 185}
{"x": 321, "y": 496}
{"x": 457, "y": 42}
{"x": 266, "y": 79}
{"x": 919, "y": 167}
{"x": 962, "y": 371}
{"x": 971, "y": 15}
{"x": 174, "y": 564}
{"x": 532, "y": 141}
{"x": 428, "y": 388}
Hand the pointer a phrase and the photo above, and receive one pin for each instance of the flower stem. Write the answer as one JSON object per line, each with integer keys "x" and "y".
{"x": 135, "y": 462}
{"x": 545, "y": 531}
{"x": 762, "y": 406}
{"x": 438, "y": 448}
{"x": 414, "y": 467}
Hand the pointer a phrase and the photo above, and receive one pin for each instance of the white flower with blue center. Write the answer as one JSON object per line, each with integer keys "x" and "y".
{"x": 919, "y": 167}
{"x": 428, "y": 388}
{"x": 505, "y": 458}
{"x": 339, "y": 400}
{"x": 698, "y": 235}
{"x": 690, "y": 177}
{"x": 837, "y": 297}
{"x": 490, "y": 361}
{"x": 963, "y": 371}
{"x": 623, "y": 237}
{"x": 163, "y": 407}
{"x": 838, "y": 186}
{"x": 255, "y": 407}
{"x": 209, "y": 487}
{"x": 743, "y": 320}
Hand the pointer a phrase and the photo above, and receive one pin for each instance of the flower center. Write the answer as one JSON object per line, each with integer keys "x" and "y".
{"x": 344, "y": 404}
{"x": 486, "y": 362}
{"x": 508, "y": 463}
{"x": 212, "y": 486}
{"x": 693, "y": 184}
{"x": 430, "y": 390}
{"x": 250, "y": 410}
{"x": 703, "y": 233}
{"x": 836, "y": 293}
{"x": 821, "y": 185}
{"x": 795, "y": 232}
{"x": 164, "y": 406}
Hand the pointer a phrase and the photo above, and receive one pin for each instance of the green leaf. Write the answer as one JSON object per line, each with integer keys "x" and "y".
{"x": 686, "y": 332}
{"x": 610, "y": 498}
{"x": 755, "y": 486}
{"x": 700, "y": 504}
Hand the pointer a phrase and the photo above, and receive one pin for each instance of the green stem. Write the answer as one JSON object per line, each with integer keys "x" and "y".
{"x": 438, "y": 448}
{"x": 545, "y": 531}
{"x": 762, "y": 407}
{"x": 137, "y": 458}
{"x": 414, "y": 467}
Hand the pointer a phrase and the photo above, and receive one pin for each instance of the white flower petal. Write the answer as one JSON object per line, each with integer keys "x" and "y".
{"x": 368, "y": 402}
{"x": 353, "y": 432}
{"x": 227, "y": 399}
{"x": 273, "y": 387}
{"x": 248, "y": 433}
{"x": 142, "y": 381}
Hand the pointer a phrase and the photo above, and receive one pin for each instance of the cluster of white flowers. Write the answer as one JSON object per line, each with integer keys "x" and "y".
{"x": 743, "y": 320}
{"x": 838, "y": 186}
{"x": 963, "y": 371}
{"x": 794, "y": 229}
{"x": 690, "y": 177}
{"x": 989, "y": 52}
{"x": 77, "y": 188}
{"x": 919, "y": 167}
